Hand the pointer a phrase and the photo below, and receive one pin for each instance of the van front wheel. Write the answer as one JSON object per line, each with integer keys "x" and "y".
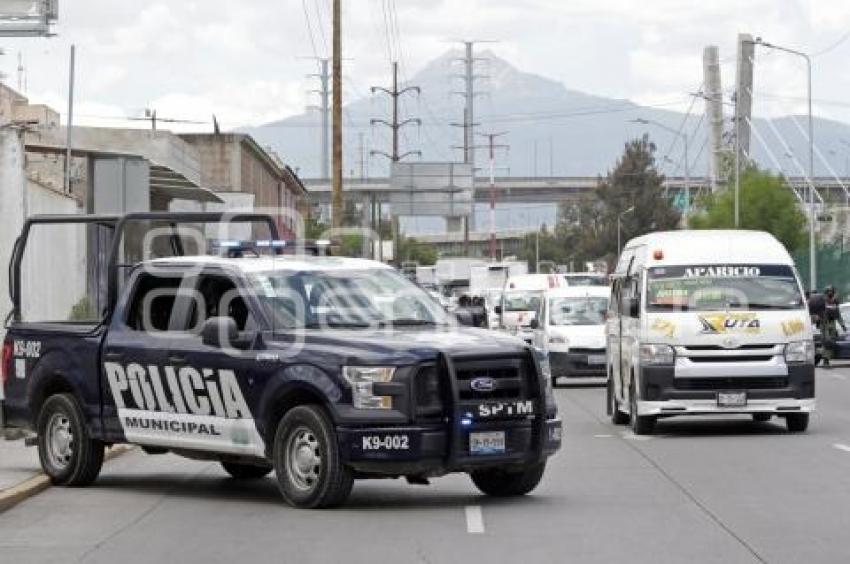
{"x": 641, "y": 424}
{"x": 617, "y": 416}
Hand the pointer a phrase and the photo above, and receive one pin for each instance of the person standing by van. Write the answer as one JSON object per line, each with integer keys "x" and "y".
{"x": 829, "y": 330}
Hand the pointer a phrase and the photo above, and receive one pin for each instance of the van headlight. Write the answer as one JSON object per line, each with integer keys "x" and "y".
{"x": 658, "y": 355}
{"x": 557, "y": 340}
{"x": 800, "y": 352}
{"x": 362, "y": 379}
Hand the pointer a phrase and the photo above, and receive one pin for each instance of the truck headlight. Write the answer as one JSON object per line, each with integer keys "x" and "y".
{"x": 362, "y": 379}
{"x": 800, "y": 352}
{"x": 658, "y": 355}
{"x": 558, "y": 340}
{"x": 545, "y": 371}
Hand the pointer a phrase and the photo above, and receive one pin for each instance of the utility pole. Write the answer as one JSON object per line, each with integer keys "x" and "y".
{"x": 325, "y": 111}
{"x": 492, "y": 146}
{"x": 394, "y": 124}
{"x": 336, "y": 206}
{"x": 713, "y": 111}
{"x": 70, "y": 120}
{"x": 469, "y": 77}
{"x": 394, "y": 156}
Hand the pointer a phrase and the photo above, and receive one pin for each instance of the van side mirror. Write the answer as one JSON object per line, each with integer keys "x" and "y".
{"x": 497, "y": 309}
{"x": 634, "y": 307}
{"x": 534, "y": 324}
{"x": 218, "y": 331}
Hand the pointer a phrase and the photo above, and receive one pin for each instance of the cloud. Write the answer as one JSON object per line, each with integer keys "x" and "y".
{"x": 240, "y": 59}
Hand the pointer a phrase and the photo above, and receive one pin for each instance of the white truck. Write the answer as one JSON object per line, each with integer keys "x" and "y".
{"x": 488, "y": 281}
{"x": 708, "y": 323}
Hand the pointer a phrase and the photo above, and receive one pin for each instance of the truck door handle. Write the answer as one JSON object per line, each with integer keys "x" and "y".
{"x": 177, "y": 359}
{"x": 113, "y": 355}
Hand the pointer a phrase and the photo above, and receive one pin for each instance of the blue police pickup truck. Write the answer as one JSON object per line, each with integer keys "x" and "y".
{"x": 324, "y": 369}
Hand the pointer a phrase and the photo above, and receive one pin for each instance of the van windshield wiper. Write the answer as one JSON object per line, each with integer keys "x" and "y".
{"x": 679, "y": 307}
{"x": 409, "y": 322}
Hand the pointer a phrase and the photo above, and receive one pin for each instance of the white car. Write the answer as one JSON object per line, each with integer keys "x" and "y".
{"x": 570, "y": 329}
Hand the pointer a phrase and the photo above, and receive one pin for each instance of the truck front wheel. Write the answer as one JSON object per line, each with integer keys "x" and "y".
{"x": 69, "y": 456}
{"x": 307, "y": 463}
{"x": 499, "y": 482}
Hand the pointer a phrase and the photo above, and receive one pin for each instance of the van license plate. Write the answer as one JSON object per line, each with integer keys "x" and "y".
{"x": 731, "y": 399}
{"x": 492, "y": 442}
{"x": 596, "y": 359}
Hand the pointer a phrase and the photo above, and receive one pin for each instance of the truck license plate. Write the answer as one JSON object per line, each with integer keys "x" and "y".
{"x": 491, "y": 442}
{"x": 731, "y": 399}
{"x": 596, "y": 359}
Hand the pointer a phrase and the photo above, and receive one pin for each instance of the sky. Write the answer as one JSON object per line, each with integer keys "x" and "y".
{"x": 246, "y": 61}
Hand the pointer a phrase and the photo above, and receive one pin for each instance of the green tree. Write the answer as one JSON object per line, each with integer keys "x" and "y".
{"x": 766, "y": 204}
{"x": 409, "y": 249}
{"x": 589, "y": 231}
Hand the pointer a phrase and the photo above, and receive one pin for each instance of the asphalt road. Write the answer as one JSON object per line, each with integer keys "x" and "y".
{"x": 700, "y": 490}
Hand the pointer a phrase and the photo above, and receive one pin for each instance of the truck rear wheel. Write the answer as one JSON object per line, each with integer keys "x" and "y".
{"x": 797, "y": 422}
{"x": 309, "y": 470}
{"x": 499, "y": 482}
{"x": 245, "y": 471}
{"x": 68, "y": 455}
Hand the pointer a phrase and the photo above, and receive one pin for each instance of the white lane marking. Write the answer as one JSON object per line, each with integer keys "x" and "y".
{"x": 843, "y": 447}
{"x": 602, "y": 436}
{"x": 630, "y": 436}
{"x": 474, "y": 519}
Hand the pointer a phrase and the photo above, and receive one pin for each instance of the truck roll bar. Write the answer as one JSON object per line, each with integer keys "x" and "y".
{"x": 118, "y": 225}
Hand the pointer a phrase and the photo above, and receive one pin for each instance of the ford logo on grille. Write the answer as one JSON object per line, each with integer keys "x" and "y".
{"x": 483, "y": 384}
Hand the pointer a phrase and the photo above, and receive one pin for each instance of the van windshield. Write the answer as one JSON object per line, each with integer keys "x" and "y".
{"x": 577, "y": 311}
{"x": 722, "y": 287}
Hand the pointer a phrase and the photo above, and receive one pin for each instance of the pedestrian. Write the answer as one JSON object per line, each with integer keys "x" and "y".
{"x": 829, "y": 320}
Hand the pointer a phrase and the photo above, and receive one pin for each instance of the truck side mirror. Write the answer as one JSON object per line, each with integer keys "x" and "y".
{"x": 218, "y": 331}
{"x": 497, "y": 309}
{"x": 634, "y": 307}
{"x": 534, "y": 324}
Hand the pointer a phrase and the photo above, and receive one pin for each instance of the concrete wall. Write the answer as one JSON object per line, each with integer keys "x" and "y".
{"x": 12, "y": 184}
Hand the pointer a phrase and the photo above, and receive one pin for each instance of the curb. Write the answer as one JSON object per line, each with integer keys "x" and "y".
{"x": 40, "y": 482}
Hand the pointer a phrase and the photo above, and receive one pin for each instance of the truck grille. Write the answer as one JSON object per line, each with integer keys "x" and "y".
{"x": 506, "y": 374}
{"x": 737, "y": 383}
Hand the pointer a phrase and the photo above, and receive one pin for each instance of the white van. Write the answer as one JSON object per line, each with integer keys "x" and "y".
{"x": 521, "y": 299}
{"x": 708, "y": 322}
{"x": 570, "y": 329}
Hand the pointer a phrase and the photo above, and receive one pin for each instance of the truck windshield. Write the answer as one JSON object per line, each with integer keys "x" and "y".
{"x": 344, "y": 298}
{"x": 722, "y": 287}
{"x": 522, "y": 301}
{"x": 577, "y": 311}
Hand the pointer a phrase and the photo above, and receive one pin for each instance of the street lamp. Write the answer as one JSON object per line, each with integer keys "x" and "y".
{"x": 684, "y": 137}
{"x": 620, "y": 229}
{"x": 812, "y": 217}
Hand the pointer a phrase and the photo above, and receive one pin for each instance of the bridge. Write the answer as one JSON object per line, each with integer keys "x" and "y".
{"x": 518, "y": 189}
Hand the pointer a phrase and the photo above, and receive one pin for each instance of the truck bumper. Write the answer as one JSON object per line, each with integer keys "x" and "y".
{"x": 423, "y": 450}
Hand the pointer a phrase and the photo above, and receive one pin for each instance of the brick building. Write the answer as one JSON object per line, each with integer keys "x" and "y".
{"x": 234, "y": 163}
